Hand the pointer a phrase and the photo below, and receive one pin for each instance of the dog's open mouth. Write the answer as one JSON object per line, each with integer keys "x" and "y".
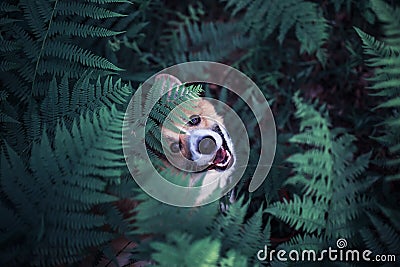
{"x": 221, "y": 160}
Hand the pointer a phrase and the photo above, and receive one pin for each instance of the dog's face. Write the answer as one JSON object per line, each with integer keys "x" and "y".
{"x": 200, "y": 142}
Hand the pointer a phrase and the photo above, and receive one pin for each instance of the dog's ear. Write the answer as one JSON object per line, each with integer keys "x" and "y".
{"x": 167, "y": 82}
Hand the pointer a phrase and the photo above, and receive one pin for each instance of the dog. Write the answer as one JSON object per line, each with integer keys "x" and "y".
{"x": 199, "y": 143}
{"x": 198, "y": 146}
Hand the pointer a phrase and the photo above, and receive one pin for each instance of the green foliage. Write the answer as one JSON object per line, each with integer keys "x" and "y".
{"x": 61, "y": 155}
{"x": 264, "y": 17}
{"x": 385, "y": 57}
{"x": 86, "y": 96}
{"x": 190, "y": 229}
{"x": 69, "y": 68}
{"x": 207, "y": 41}
{"x": 388, "y": 15}
{"x": 72, "y": 170}
{"x": 329, "y": 178}
{"x": 39, "y": 48}
{"x": 38, "y": 43}
{"x": 181, "y": 251}
{"x": 244, "y": 236}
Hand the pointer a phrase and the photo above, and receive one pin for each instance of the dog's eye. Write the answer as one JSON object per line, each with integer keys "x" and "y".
{"x": 194, "y": 120}
{"x": 174, "y": 147}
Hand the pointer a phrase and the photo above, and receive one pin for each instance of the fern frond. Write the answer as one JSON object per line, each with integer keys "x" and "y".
{"x": 301, "y": 242}
{"x": 233, "y": 259}
{"x": 7, "y": 46}
{"x": 31, "y": 14}
{"x": 180, "y": 249}
{"x": 389, "y": 16}
{"x": 70, "y": 28}
{"x": 376, "y": 48}
{"x": 43, "y": 42}
{"x": 315, "y": 168}
{"x": 150, "y": 211}
{"x": 7, "y": 66}
{"x": 264, "y": 17}
{"x": 301, "y": 213}
{"x": 86, "y": 95}
{"x": 74, "y": 53}
{"x": 386, "y": 57}
{"x": 387, "y": 239}
{"x": 205, "y": 41}
{"x": 85, "y": 10}
{"x": 7, "y": 7}
{"x": 328, "y": 173}
{"x": 241, "y": 235}
{"x": 69, "y": 174}
{"x": 29, "y": 46}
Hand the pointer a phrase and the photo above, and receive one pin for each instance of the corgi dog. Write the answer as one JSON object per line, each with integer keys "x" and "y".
{"x": 202, "y": 146}
{"x": 198, "y": 145}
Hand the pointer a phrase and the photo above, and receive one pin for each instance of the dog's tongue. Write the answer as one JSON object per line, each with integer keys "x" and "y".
{"x": 220, "y": 156}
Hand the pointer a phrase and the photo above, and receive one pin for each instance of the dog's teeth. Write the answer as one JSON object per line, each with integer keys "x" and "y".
{"x": 225, "y": 162}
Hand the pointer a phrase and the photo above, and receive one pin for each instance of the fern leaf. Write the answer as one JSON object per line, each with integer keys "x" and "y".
{"x": 387, "y": 239}
{"x": 7, "y": 46}
{"x": 85, "y": 10}
{"x": 385, "y": 55}
{"x": 74, "y": 53}
{"x": 374, "y": 47}
{"x": 86, "y": 96}
{"x": 180, "y": 249}
{"x": 233, "y": 259}
{"x": 389, "y": 16}
{"x": 70, "y": 28}
{"x": 7, "y": 7}
{"x": 266, "y": 16}
{"x": 327, "y": 172}
{"x": 300, "y": 213}
{"x": 301, "y": 242}
{"x": 31, "y": 14}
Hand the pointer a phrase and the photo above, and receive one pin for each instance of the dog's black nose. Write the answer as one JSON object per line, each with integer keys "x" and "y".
{"x": 207, "y": 145}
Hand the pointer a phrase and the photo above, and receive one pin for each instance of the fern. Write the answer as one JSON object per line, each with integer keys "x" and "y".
{"x": 48, "y": 49}
{"x": 328, "y": 174}
{"x": 205, "y": 41}
{"x": 64, "y": 102}
{"x": 75, "y": 29}
{"x": 5, "y": 105}
{"x": 384, "y": 57}
{"x": 244, "y": 236}
{"x": 231, "y": 240}
{"x": 300, "y": 243}
{"x": 389, "y": 17}
{"x": 182, "y": 251}
{"x": 63, "y": 180}
{"x": 38, "y": 48}
{"x": 301, "y": 213}
{"x": 385, "y": 84}
{"x": 264, "y": 17}
{"x": 73, "y": 172}
{"x": 387, "y": 239}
